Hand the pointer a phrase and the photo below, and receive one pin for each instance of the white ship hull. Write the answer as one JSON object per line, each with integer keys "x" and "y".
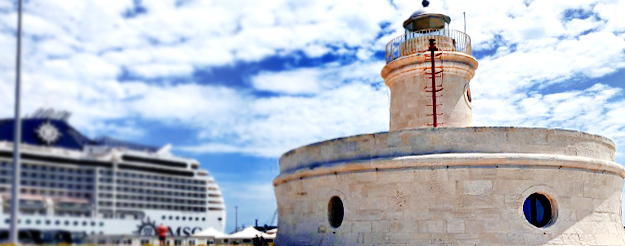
{"x": 110, "y": 226}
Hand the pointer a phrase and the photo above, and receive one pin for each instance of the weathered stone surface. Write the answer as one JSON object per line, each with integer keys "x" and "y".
{"x": 462, "y": 140}
{"x": 468, "y": 205}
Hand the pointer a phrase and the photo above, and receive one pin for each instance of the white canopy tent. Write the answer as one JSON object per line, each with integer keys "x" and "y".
{"x": 249, "y": 233}
{"x": 210, "y": 232}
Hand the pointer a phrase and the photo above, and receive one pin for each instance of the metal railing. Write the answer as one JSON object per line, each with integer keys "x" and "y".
{"x": 406, "y": 43}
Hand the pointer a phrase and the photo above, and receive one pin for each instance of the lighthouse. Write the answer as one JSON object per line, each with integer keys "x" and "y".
{"x": 434, "y": 179}
{"x": 428, "y": 72}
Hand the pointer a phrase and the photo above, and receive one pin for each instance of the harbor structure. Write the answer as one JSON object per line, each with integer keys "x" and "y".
{"x": 434, "y": 179}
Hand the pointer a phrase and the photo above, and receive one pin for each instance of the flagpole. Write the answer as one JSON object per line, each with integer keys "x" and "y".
{"x": 17, "y": 131}
{"x": 465, "y": 22}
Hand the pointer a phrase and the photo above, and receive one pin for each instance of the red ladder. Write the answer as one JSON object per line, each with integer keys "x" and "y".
{"x": 434, "y": 83}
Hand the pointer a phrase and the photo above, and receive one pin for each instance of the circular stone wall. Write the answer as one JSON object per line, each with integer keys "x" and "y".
{"x": 489, "y": 186}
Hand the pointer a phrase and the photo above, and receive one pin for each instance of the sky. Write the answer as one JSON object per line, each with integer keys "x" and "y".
{"x": 236, "y": 83}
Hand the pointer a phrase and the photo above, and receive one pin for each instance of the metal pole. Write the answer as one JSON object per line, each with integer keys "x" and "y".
{"x": 465, "y": 21}
{"x": 17, "y": 131}
{"x": 236, "y": 219}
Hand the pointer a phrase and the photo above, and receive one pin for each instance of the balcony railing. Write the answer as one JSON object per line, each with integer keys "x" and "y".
{"x": 408, "y": 44}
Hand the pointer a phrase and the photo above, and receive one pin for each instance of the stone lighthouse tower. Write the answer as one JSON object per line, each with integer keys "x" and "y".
{"x": 435, "y": 180}
{"x": 428, "y": 72}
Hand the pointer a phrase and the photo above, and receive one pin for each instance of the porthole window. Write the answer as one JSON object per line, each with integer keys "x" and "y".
{"x": 538, "y": 210}
{"x": 336, "y": 211}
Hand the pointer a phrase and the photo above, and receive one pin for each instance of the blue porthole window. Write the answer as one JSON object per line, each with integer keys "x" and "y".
{"x": 538, "y": 210}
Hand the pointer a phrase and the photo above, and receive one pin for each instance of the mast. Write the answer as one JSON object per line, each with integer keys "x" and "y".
{"x": 17, "y": 131}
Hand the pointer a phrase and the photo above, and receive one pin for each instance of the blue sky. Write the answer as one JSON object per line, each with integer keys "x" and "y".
{"x": 234, "y": 84}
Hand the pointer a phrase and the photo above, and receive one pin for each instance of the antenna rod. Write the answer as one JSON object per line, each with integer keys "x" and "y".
{"x": 17, "y": 131}
{"x": 465, "y": 22}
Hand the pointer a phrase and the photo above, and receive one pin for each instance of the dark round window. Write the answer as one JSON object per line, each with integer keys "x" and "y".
{"x": 336, "y": 211}
{"x": 538, "y": 210}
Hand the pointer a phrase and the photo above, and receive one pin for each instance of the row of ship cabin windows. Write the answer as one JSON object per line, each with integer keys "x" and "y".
{"x": 157, "y": 192}
{"x": 59, "y": 185}
{"x": 51, "y": 168}
{"x": 154, "y": 177}
{"x": 44, "y": 192}
{"x": 138, "y": 217}
{"x": 167, "y": 242}
{"x": 153, "y": 206}
{"x": 59, "y": 177}
{"x": 177, "y": 242}
{"x": 43, "y": 212}
{"x": 538, "y": 208}
{"x": 154, "y": 199}
{"x": 48, "y": 174}
{"x": 152, "y": 184}
{"x": 49, "y": 192}
{"x": 57, "y": 222}
{"x": 90, "y": 172}
{"x": 183, "y": 218}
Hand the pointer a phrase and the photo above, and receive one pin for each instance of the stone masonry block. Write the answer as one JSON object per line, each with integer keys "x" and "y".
{"x": 381, "y": 226}
{"x": 432, "y": 226}
{"x": 455, "y": 226}
{"x": 478, "y": 187}
{"x": 361, "y": 226}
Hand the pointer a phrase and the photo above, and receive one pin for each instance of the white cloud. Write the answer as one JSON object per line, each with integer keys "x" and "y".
{"x": 75, "y": 50}
{"x": 299, "y": 82}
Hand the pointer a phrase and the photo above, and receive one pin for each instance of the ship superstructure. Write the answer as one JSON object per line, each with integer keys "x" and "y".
{"x": 103, "y": 186}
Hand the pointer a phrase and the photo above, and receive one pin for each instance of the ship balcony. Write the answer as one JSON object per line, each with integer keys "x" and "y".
{"x": 72, "y": 206}
{"x": 26, "y": 205}
{"x": 418, "y": 42}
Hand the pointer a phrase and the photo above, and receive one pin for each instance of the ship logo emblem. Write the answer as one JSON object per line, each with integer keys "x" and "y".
{"x": 48, "y": 133}
{"x": 146, "y": 228}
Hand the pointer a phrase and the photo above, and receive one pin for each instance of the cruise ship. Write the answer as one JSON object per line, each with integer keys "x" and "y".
{"x": 103, "y": 186}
